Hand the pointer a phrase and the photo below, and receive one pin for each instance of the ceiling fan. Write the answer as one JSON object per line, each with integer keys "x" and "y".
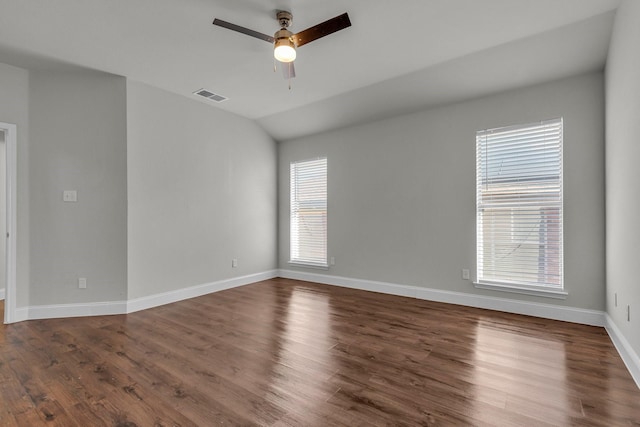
{"x": 285, "y": 42}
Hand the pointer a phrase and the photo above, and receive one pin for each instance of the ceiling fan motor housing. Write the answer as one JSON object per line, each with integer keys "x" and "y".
{"x": 283, "y": 34}
{"x": 284, "y": 18}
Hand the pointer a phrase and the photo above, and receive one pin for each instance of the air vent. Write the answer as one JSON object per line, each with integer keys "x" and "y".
{"x": 210, "y": 95}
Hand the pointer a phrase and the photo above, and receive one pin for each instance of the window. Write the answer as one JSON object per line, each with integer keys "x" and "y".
{"x": 519, "y": 207}
{"x": 309, "y": 212}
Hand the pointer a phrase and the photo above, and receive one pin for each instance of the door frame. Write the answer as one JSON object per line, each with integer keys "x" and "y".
{"x": 11, "y": 139}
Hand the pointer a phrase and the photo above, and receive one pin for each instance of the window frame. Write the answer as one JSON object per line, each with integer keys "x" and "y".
{"x": 505, "y": 283}
{"x": 294, "y": 211}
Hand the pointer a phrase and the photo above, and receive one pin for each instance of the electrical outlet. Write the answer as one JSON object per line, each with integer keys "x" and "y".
{"x": 332, "y": 260}
{"x": 615, "y": 299}
{"x": 465, "y": 274}
{"x": 628, "y": 313}
{"x": 234, "y": 263}
{"x": 69, "y": 196}
{"x": 82, "y": 282}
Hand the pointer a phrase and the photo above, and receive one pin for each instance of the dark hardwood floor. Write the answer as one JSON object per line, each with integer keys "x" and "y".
{"x": 290, "y": 353}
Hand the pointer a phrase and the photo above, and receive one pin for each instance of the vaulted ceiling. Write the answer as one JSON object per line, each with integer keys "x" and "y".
{"x": 397, "y": 57}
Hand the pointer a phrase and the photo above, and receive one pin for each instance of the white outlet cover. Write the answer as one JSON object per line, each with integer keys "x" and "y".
{"x": 69, "y": 196}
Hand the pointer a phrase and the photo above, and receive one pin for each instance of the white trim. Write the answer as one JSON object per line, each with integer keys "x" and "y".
{"x": 11, "y": 139}
{"x": 308, "y": 265}
{"x": 547, "y": 311}
{"x": 515, "y": 289}
{"x": 55, "y": 311}
{"x": 123, "y": 307}
{"x": 155, "y": 300}
{"x": 2, "y": 294}
{"x": 628, "y": 355}
{"x": 21, "y": 314}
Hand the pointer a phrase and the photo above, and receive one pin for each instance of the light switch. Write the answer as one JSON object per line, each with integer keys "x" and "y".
{"x": 69, "y": 196}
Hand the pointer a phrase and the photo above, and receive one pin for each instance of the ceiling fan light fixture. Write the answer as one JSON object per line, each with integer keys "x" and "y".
{"x": 284, "y": 47}
{"x": 284, "y": 53}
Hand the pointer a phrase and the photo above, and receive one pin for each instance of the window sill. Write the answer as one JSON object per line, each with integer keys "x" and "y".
{"x": 309, "y": 265}
{"x": 525, "y": 290}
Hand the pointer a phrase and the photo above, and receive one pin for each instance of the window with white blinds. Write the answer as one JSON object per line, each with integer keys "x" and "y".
{"x": 519, "y": 206}
{"x": 309, "y": 212}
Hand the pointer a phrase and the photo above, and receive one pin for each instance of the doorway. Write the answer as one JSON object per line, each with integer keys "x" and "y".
{"x": 3, "y": 213}
{"x": 8, "y": 140}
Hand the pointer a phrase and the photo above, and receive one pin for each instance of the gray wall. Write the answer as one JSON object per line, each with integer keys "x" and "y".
{"x": 202, "y": 191}
{"x": 623, "y": 174}
{"x": 14, "y": 108}
{"x": 77, "y": 142}
{"x": 401, "y": 205}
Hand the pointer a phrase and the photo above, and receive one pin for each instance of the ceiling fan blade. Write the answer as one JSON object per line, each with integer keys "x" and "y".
{"x": 288, "y": 70}
{"x": 323, "y": 29}
{"x": 243, "y": 30}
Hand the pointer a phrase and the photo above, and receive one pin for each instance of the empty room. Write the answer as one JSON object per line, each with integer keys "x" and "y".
{"x": 298, "y": 213}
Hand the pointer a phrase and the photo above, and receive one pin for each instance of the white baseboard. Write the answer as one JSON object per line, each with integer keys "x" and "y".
{"x": 21, "y": 314}
{"x": 123, "y": 307}
{"x": 1, "y": 294}
{"x": 156, "y": 300}
{"x": 55, "y": 311}
{"x": 628, "y": 355}
{"x": 546, "y": 311}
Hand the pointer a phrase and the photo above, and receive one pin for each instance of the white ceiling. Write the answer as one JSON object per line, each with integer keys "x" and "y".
{"x": 397, "y": 57}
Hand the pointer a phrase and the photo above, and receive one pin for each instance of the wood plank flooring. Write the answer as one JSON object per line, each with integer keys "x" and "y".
{"x": 290, "y": 353}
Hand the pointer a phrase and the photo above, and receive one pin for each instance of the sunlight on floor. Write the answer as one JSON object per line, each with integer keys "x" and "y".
{"x": 521, "y": 373}
{"x": 301, "y": 351}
